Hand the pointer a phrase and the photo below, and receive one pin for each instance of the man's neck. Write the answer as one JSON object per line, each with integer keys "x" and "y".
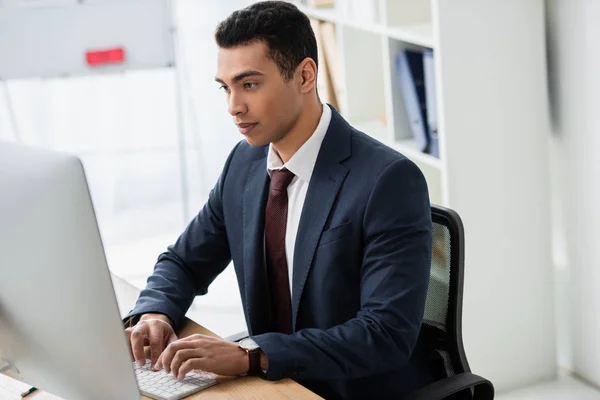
{"x": 300, "y": 133}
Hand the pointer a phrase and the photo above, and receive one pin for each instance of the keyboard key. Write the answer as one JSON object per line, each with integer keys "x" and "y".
{"x": 162, "y": 386}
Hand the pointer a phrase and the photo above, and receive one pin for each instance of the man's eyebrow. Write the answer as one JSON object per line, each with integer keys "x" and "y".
{"x": 241, "y": 76}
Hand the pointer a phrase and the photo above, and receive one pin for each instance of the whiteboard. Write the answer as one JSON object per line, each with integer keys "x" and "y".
{"x": 50, "y": 38}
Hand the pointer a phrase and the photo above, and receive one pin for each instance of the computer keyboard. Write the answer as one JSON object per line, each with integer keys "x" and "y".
{"x": 162, "y": 386}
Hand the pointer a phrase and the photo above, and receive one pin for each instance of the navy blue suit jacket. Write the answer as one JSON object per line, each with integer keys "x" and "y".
{"x": 360, "y": 271}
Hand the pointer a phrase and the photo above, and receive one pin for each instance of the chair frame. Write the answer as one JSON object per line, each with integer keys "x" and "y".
{"x": 481, "y": 388}
{"x": 451, "y": 220}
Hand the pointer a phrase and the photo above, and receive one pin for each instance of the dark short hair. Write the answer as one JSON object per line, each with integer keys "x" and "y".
{"x": 280, "y": 25}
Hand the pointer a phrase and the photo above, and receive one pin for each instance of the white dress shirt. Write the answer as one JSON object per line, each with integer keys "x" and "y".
{"x": 301, "y": 164}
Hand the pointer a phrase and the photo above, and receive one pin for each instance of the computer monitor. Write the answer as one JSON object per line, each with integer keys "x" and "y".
{"x": 60, "y": 325}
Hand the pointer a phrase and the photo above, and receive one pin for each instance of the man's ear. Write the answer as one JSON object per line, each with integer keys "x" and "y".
{"x": 308, "y": 75}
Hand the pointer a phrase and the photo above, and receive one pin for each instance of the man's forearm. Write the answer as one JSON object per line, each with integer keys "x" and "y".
{"x": 169, "y": 291}
{"x": 360, "y": 347}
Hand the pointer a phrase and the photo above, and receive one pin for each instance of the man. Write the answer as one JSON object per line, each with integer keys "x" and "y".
{"x": 329, "y": 232}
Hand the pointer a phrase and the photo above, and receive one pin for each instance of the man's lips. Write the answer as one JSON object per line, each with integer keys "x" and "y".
{"x": 245, "y": 128}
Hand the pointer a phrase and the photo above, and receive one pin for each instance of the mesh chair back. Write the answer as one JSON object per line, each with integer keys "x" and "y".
{"x": 441, "y": 331}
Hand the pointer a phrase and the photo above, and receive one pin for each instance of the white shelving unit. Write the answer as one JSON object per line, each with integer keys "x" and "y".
{"x": 492, "y": 112}
{"x": 370, "y": 98}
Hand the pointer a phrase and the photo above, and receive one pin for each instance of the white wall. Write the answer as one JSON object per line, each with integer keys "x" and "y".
{"x": 494, "y": 126}
{"x": 574, "y": 65}
{"x": 124, "y": 127}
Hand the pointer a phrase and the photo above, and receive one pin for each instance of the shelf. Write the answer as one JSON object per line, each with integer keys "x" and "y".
{"x": 408, "y": 147}
{"x": 419, "y": 34}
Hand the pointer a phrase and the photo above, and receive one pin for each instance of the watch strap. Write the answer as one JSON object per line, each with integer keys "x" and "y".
{"x": 254, "y": 358}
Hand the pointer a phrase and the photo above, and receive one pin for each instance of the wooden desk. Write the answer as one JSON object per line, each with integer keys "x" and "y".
{"x": 228, "y": 388}
{"x": 247, "y": 387}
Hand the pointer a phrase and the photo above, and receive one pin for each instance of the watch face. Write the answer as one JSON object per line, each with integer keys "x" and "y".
{"x": 248, "y": 344}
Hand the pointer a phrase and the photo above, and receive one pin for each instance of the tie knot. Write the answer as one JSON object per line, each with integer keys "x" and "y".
{"x": 280, "y": 179}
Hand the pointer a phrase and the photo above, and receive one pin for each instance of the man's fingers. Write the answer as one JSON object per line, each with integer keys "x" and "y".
{"x": 182, "y": 356}
{"x": 159, "y": 362}
{"x": 137, "y": 338}
{"x": 157, "y": 344}
{"x": 189, "y": 366}
{"x": 171, "y": 350}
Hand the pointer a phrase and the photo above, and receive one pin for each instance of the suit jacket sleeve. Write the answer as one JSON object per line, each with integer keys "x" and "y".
{"x": 188, "y": 267}
{"x": 394, "y": 279}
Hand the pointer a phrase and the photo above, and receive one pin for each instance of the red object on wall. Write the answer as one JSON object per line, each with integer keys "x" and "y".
{"x": 95, "y": 58}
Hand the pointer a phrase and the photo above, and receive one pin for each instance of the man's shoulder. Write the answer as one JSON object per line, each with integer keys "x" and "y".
{"x": 368, "y": 151}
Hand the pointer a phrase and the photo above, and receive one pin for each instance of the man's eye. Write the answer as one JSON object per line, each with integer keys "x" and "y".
{"x": 224, "y": 88}
{"x": 249, "y": 85}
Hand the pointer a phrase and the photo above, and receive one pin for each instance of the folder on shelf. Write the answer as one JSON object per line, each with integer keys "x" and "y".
{"x": 324, "y": 85}
{"x": 431, "y": 102}
{"x": 328, "y": 43}
{"x": 409, "y": 65}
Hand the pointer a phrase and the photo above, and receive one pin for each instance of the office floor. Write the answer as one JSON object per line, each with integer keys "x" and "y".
{"x": 565, "y": 388}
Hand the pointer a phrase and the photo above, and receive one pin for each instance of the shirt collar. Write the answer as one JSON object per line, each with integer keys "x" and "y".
{"x": 303, "y": 161}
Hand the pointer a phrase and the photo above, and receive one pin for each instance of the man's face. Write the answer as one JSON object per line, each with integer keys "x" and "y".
{"x": 263, "y": 104}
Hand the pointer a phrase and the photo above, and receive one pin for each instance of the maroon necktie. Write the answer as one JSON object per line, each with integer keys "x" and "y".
{"x": 277, "y": 268}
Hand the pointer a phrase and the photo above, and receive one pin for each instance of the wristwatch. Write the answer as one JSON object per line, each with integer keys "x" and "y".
{"x": 253, "y": 350}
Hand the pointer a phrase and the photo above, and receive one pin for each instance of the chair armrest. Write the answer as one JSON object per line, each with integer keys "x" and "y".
{"x": 442, "y": 389}
{"x": 237, "y": 336}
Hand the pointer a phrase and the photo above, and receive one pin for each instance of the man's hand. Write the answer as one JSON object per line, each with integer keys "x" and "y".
{"x": 205, "y": 353}
{"x": 152, "y": 330}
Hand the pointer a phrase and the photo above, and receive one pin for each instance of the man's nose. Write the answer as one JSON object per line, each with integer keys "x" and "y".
{"x": 237, "y": 105}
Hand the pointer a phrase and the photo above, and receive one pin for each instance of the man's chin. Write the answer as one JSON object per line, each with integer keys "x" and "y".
{"x": 256, "y": 142}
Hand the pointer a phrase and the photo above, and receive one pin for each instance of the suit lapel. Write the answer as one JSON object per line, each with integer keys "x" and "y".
{"x": 325, "y": 183}
{"x": 257, "y": 295}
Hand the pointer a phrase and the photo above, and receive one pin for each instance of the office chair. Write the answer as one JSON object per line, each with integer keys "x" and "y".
{"x": 441, "y": 332}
